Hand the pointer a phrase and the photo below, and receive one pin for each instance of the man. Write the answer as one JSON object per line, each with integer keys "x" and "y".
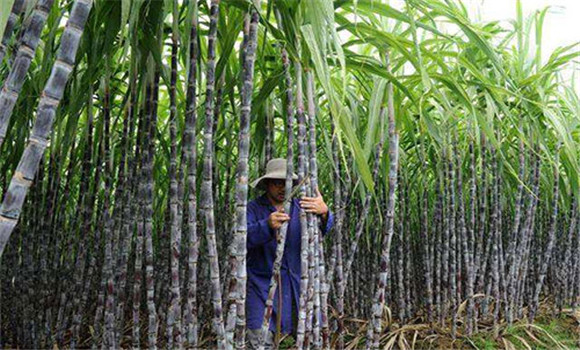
{"x": 265, "y": 217}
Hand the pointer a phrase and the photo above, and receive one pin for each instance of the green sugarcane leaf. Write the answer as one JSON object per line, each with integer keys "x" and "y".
{"x": 338, "y": 111}
{"x": 125, "y": 11}
{"x": 375, "y": 103}
{"x": 365, "y": 65}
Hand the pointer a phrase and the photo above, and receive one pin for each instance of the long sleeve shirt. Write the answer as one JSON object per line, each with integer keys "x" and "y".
{"x": 262, "y": 245}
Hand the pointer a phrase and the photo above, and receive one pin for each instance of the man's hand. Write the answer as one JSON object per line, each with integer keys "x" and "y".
{"x": 314, "y": 205}
{"x": 276, "y": 219}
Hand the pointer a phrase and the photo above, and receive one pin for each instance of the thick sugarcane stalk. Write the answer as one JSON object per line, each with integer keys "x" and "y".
{"x": 51, "y": 96}
{"x": 340, "y": 281}
{"x": 304, "y": 227}
{"x": 315, "y": 272}
{"x": 242, "y": 174}
{"x": 445, "y": 246}
{"x": 207, "y": 197}
{"x": 108, "y": 340}
{"x": 426, "y": 251}
{"x": 237, "y": 291}
{"x": 161, "y": 267}
{"x": 494, "y": 236}
{"x": 143, "y": 128}
{"x": 190, "y": 156}
{"x": 317, "y": 324}
{"x": 61, "y": 258}
{"x": 27, "y": 48}
{"x": 65, "y": 253}
{"x": 470, "y": 312}
{"x": 173, "y": 330}
{"x": 551, "y": 233}
{"x": 237, "y": 251}
{"x": 437, "y": 247}
{"x": 465, "y": 246}
{"x": 515, "y": 234}
{"x": 129, "y": 206}
{"x": 502, "y": 293}
{"x": 281, "y": 236}
{"x": 310, "y": 294}
{"x": 44, "y": 316}
{"x": 379, "y": 297}
{"x": 312, "y": 168}
{"x": 565, "y": 275}
{"x": 217, "y": 112}
{"x": 86, "y": 214}
{"x": 148, "y": 191}
{"x": 87, "y": 288}
{"x": 28, "y": 326}
{"x": 482, "y": 222}
{"x": 575, "y": 287}
{"x": 527, "y": 234}
{"x": 453, "y": 269}
{"x": 398, "y": 261}
{"x": 17, "y": 7}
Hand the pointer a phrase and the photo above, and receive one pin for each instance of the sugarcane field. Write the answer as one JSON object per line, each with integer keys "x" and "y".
{"x": 289, "y": 174}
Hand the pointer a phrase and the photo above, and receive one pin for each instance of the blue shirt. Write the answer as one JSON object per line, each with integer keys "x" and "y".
{"x": 262, "y": 245}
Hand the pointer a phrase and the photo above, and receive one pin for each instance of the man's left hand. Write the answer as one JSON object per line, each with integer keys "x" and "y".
{"x": 314, "y": 205}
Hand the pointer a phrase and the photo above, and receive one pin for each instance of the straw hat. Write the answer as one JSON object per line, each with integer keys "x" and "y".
{"x": 275, "y": 169}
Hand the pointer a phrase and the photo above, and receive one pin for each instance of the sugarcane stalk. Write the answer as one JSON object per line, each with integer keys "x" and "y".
{"x": 551, "y": 232}
{"x": 453, "y": 269}
{"x": 173, "y": 329}
{"x": 138, "y": 270}
{"x": 281, "y": 236}
{"x": 465, "y": 246}
{"x": 379, "y": 297}
{"x": 147, "y": 225}
{"x": 108, "y": 340}
{"x": 51, "y": 97}
{"x": 237, "y": 293}
{"x": 207, "y": 195}
{"x": 340, "y": 278}
{"x": 190, "y": 151}
{"x": 26, "y": 51}
{"x": 515, "y": 235}
{"x": 304, "y": 227}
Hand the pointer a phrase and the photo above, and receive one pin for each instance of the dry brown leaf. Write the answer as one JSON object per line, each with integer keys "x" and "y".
{"x": 403, "y": 343}
{"x": 554, "y": 340}
{"x": 574, "y": 312}
{"x": 414, "y": 340}
{"x": 390, "y": 344}
{"x": 463, "y": 304}
{"x": 508, "y": 344}
{"x": 353, "y": 343}
{"x": 524, "y": 342}
{"x": 531, "y": 335}
{"x": 472, "y": 343}
{"x": 388, "y": 316}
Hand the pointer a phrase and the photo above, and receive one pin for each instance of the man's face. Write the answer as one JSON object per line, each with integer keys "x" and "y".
{"x": 276, "y": 189}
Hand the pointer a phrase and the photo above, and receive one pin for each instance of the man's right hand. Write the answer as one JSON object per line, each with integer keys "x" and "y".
{"x": 276, "y": 219}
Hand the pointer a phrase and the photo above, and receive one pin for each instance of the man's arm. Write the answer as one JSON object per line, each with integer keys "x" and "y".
{"x": 262, "y": 231}
{"x": 259, "y": 232}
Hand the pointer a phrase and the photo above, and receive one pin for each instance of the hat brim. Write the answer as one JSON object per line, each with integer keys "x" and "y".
{"x": 258, "y": 183}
